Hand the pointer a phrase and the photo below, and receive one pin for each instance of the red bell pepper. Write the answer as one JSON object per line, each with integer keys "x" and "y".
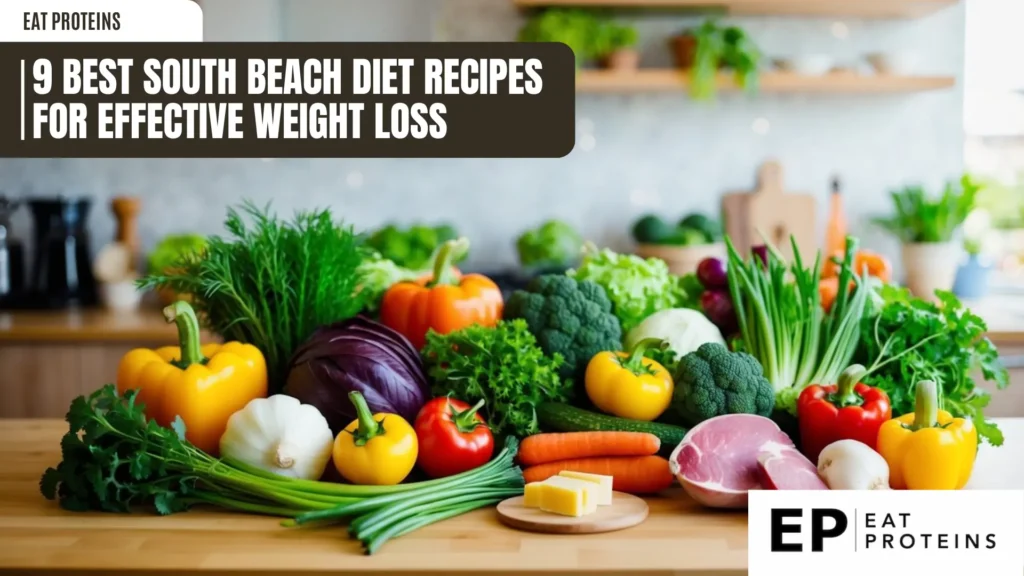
{"x": 849, "y": 410}
{"x": 453, "y": 437}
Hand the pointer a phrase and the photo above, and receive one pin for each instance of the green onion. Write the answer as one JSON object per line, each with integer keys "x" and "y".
{"x": 782, "y": 324}
{"x": 376, "y": 519}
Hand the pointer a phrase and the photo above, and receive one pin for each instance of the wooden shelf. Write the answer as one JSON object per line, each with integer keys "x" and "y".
{"x": 653, "y": 80}
{"x": 849, "y": 8}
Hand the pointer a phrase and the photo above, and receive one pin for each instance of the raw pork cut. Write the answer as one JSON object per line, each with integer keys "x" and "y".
{"x": 716, "y": 462}
{"x": 782, "y": 467}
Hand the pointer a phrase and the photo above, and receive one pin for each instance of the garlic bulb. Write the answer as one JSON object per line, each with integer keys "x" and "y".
{"x": 280, "y": 435}
{"x": 853, "y": 465}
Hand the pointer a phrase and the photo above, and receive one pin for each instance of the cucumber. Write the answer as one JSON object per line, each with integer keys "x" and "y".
{"x": 555, "y": 417}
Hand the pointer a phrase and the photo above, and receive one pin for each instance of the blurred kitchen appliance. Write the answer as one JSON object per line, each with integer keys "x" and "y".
{"x": 12, "y": 256}
{"x": 769, "y": 213}
{"x": 61, "y": 272}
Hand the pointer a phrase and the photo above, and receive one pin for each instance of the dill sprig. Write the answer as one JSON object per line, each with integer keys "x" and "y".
{"x": 271, "y": 282}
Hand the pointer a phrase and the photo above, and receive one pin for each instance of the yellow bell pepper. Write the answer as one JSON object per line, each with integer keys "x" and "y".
{"x": 929, "y": 449}
{"x": 375, "y": 449}
{"x": 204, "y": 385}
{"x": 628, "y": 384}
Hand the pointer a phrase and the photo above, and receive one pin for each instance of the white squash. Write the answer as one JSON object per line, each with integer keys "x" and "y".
{"x": 280, "y": 435}
{"x": 853, "y": 465}
{"x": 683, "y": 329}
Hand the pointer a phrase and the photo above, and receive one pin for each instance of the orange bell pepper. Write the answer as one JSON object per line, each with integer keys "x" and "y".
{"x": 204, "y": 385}
{"x": 875, "y": 264}
{"x": 444, "y": 302}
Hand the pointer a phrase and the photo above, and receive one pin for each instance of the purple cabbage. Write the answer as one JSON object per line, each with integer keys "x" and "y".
{"x": 363, "y": 356}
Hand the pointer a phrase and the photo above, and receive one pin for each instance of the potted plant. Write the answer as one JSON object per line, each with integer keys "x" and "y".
{"x": 710, "y": 48}
{"x": 972, "y": 277}
{"x": 575, "y": 28}
{"x": 926, "y": 228}
{"x": 615, "y": 46}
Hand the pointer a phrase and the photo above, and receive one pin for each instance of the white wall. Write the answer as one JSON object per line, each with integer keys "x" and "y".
{"x": 649, "y": 150}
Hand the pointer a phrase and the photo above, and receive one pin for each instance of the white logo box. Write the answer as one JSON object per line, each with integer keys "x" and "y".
{"x": 891, "y": 532}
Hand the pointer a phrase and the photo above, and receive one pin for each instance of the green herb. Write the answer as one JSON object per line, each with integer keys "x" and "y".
{"x": 413, "y": 247}
{"x": 723, "y": 47}
{"x": 636, "y": 287}
{"x": 114, "y": 460}
{"x": 588, "y": 34}
{"x": 577, "y": 29}
{"x": 943, "y": 342}
{"x": 271, "y": 283}
{"x": 504, "y": 366}
{"x": 921, "y": 219}
{"x": 611, "y": 37}
{"x": 782, "y": 323}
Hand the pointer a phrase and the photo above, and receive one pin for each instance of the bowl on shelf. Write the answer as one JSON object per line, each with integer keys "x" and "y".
{"x": 682, "y": 260}
{"x": 810, "y": 64}
{"x": 900, "y": 63}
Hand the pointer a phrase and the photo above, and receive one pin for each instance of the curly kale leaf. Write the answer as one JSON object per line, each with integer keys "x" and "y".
{"x": 503, "y": 366}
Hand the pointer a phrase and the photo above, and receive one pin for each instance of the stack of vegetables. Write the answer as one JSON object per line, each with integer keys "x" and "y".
{"x": 314, "y": 411}
{"x": 692, "y": 230}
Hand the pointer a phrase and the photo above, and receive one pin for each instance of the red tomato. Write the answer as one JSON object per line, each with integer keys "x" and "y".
{"x": 452, "y": 437}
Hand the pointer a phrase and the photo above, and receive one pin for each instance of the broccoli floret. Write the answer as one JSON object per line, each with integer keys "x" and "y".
{"x": 712, "y": 381}
{"x": 568, "y": 317}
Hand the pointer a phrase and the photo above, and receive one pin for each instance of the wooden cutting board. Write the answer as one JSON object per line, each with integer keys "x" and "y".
{"x": 776, "y": 214}
{"x": 625, "y": 511}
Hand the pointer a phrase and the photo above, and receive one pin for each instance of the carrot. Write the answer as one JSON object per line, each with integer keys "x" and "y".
{"x": 551, "y": 447}
{"x": 828, "y": 288}
{"x": 875, "y": 264}
{"x": 632, "y": 474}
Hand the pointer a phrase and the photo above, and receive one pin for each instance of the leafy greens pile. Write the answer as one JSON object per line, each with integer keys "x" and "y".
{"x": 271, "y": 282}
{"x": 503, "y": 366}
{"x": 636, "y": 287}
{"x": 943, "y": 342}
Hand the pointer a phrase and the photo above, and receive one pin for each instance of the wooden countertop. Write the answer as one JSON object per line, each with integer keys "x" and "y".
{"x": 678, "y": 538}
{"x": 145, "y": 325}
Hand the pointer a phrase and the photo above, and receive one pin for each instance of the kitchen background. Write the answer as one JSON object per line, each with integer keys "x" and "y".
{"x": 634, "y": 153}
{"x": 637, "y": 151}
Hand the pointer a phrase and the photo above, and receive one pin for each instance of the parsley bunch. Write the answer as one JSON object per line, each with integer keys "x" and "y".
{"x": 504, "y": 366}
{"x": 943, "y": 342}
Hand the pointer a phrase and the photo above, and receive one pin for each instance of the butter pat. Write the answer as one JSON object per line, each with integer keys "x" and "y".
{"x": 532, "y": 494}
{"x": 604, "y": 483}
